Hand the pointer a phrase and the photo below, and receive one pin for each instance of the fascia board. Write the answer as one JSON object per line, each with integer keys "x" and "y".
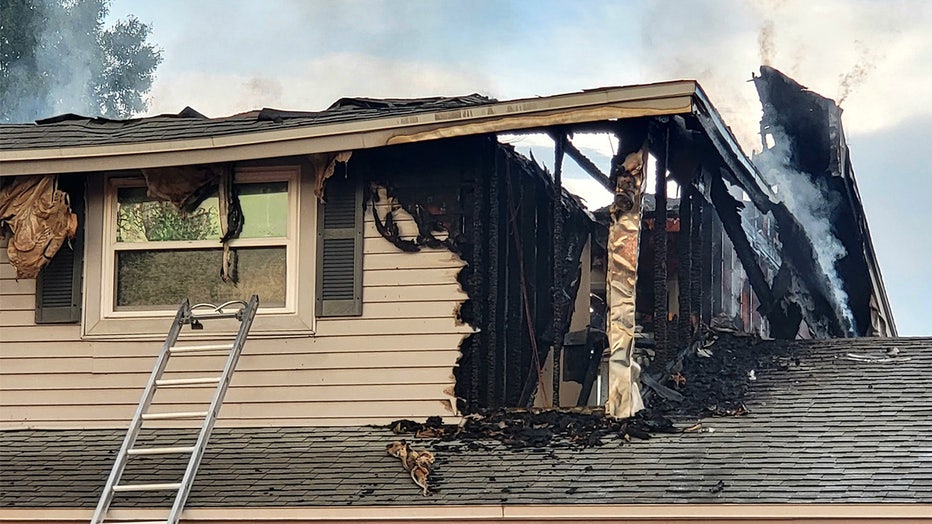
{"x": 709, "y": 513}
{"x": 732, "y": 155}
{"x": 514, "y": 115}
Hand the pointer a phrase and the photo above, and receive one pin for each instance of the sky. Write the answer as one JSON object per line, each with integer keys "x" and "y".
{"x": 227, "y": 56}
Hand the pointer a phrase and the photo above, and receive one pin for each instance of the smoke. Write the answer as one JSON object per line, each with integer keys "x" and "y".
{"x": 813, "y": 206}
{"x": 863, "y": 67}
{"x": 765, "y": 42}
{"x": 260, "y": 92}
{"x": 57, "y": 56}
{"x": 54, "y": 75}
{"x": 861, "y": 51}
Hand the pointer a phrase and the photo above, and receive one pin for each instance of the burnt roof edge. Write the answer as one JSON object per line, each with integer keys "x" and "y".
{"x": 580, "y": 107}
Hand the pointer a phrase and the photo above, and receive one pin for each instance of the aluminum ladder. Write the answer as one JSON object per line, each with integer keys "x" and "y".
{"x": 187, "y": 315}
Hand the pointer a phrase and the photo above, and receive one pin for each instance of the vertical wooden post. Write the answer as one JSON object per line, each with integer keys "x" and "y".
{"x": 684, "y": 269}
{"x": 708, "y": 248}
{"x": 494, "y": 343}
{"x": 558, "y": 249}
{"x": 661, "y": 344}
{"x": 697, "y": 253}
{"x": 478, "y": 285}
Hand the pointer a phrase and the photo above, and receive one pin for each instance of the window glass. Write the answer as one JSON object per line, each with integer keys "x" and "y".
{"x": 141, "y": 218}
{"x": 150, "y": 278}
{"x": 265, "y": 209}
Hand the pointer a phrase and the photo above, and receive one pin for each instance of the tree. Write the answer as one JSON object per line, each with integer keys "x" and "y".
{"x": 57, "y": 57}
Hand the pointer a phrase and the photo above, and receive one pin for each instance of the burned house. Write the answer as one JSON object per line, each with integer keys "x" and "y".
{"x": 410, "y": 265}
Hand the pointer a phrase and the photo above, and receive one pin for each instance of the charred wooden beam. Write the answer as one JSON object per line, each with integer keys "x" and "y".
{"x": 717, "y": 262}
{"x": 820, "y": 310}
{"x": 728, "y": 211}
{"x": 477, "y": 284}
{"x": 558, "y": 248}
{"x": 664, "y": 352}
{"x": 522, "y": 225}
{"x": 706, "y": 270}
{"x": 493, "y": 349}
{"x": 697, "y": 253}
{"x": 515, "y": 297}
{"x": 684, "y": 268}
{"x": 535, "y": 240}
{"x": 587, "y": 165}
{"x": 539, "y": 278}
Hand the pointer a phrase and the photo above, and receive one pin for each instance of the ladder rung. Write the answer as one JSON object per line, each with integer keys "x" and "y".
{"x": 177, "y": 414}
{"x": 200, "y": 349}
{"x": 214, "y": 315}
{"x": 148, "y": 487}
{"x": 139, "y": 522}
{"x": 187, "y": 381}
{"x": 161, "y": 451}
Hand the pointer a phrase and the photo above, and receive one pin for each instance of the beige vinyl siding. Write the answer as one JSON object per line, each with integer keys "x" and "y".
{"x": 395, "y": 361}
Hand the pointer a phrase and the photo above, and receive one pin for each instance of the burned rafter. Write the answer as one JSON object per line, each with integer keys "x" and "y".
{"x": 738, "y": 167}
{"x": 783, "y": 315}
{"x": 583, "y": 161}
{"x": 799, "y": 255}
{"x": 728, "y": 210}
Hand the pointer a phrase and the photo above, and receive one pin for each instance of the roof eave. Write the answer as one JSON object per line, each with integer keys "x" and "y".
{"x": 588, "y": 106}
{"x": 685, "y": 512}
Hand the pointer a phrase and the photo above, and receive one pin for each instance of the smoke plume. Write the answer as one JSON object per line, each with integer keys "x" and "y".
{"x": 765, "y": 43}
{"x": 858, "y": 74}
{"x": 813, "y": 207}
{"x": 56, "y": 56}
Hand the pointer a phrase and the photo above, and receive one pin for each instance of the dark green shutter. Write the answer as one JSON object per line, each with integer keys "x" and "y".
{"x": 58, "y": 287}
{"x": 339, "y": 261}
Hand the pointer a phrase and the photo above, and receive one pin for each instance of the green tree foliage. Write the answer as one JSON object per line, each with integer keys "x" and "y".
{"x": 57, "y": 57}
{"x": 157, "y": 221}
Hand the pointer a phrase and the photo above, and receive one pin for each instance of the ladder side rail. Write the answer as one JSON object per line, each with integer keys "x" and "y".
{"x": 136, "y": 423}
{"x": 249, "y": 314}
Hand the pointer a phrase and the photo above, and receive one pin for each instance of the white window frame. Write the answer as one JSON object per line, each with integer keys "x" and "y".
{"x": 103, "y": 320}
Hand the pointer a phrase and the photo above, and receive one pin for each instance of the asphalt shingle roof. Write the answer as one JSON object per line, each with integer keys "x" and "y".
{"x": 828, "y": 429}
{"x": 77, "y": 131}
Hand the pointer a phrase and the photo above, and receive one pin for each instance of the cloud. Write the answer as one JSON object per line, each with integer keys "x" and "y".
{"x": 313, "y": 85}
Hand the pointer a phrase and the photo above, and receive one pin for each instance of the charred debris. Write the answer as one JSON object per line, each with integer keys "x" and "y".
{"x": 713, "y": 379}
{"x": 725, "y": 248}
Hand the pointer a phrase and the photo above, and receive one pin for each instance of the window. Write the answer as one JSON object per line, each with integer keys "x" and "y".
{"x": 152, "y": 256}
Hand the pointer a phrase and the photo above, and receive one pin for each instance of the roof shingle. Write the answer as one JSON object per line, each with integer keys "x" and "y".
{"x": 78, "y": 131}
{"x": 828, "y": 429}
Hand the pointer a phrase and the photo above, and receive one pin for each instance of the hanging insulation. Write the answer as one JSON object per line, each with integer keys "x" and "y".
{"x": 624, "y": 395}
{"x": 40, "y": 217}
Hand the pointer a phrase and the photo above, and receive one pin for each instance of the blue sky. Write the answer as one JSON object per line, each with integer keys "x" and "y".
{"x": 228, "y": 56}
